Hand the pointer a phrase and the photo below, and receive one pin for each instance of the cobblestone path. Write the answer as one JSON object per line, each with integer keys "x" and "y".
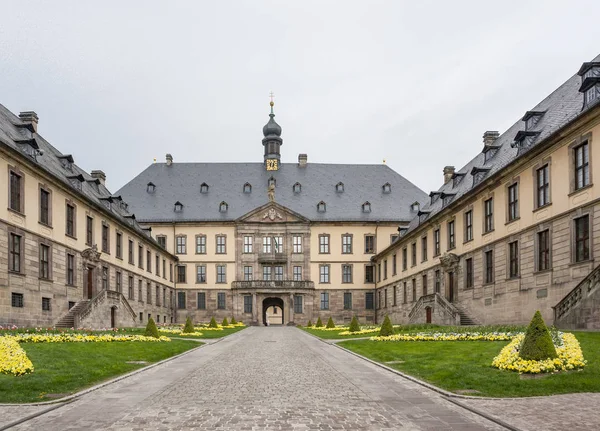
{"x": 274, "y": 378}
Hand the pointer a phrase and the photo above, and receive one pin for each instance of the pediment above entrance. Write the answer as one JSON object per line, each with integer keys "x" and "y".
{"x": 272, "y": 213}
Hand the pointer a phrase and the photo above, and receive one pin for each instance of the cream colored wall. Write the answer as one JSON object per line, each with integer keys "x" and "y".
{"x": 561, "y": 202}
{"x": 57, "y": 233}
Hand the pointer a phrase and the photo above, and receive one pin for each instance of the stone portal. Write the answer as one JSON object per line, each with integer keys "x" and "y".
{"x": 273, "y": 310}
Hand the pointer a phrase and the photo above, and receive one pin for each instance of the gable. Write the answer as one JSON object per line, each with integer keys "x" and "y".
{"x": 272, "y": 213}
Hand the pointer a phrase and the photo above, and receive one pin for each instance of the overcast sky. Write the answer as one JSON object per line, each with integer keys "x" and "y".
{"x": 416, "y": 83}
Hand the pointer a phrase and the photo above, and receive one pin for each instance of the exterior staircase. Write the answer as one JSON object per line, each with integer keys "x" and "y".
{"x": 580, "y": 308}
{"x": 465, "y": 319}
{"x": 68, "y": 320}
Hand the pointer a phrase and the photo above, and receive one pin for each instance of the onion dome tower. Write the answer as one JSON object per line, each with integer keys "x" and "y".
{"x": 272, "y": 141}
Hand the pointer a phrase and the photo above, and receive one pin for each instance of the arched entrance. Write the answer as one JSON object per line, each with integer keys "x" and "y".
{"x": 275, "y": 308}
{"x": 113, "y": 317}
{"x": 428, "y": 314}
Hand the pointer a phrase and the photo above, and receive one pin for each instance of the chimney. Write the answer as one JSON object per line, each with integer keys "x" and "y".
{"x": 31, "y": 119}
{"x": 302, "y": 160}
{"x": 99, "y": 175}
{"x": 490, "y": 137}
{"x": 169, "y": 160}
{"x": 448, "y": 172}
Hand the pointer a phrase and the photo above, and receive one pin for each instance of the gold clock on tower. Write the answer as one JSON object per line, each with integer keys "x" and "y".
{"x": 272, "y": 165}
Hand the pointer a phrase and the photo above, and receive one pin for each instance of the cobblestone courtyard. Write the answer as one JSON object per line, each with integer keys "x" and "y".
{"x": 269, "y": 378}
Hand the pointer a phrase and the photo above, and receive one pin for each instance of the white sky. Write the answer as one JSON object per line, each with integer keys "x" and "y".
{"x": 417, "y": 83}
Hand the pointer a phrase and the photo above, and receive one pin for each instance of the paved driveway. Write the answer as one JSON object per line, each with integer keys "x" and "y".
{"x": 263, "y": 378}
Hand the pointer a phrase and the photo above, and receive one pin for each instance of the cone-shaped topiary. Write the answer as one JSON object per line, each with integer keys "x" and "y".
{"x": 225, "y": 322}
{"x": 151, "y": 329}
{"x": 213, "y": 323}
{"x": 189, "y": 326}
{"x": 319, "y": 323}
{"x": 354, "y": 325}
{"x": 233, "y": 321}
{"x": 309, "y": 324}
{"x": 330, "y": 323}
{"x": 537, "y": 344}
{"x": 386, "y": 328}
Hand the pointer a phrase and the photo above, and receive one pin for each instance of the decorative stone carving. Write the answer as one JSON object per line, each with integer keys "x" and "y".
{"x": 271, "y": 192}
{"x": 272, "y": 215}
{"x": 90, "y": 256}
{"x": 449, "y": 262}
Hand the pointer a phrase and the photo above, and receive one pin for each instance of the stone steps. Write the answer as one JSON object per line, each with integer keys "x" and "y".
{"x": 68, "y": 320}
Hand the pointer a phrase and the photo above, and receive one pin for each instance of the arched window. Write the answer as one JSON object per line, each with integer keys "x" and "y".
{"x": 203, "y": 188}
{"x": 247, "y": 188}
{"x": 297, "y": 188}
{"x": 272, "y": 181}
{"x": 339, "y": 187}
{"x": 321, "y": 207}
{"x": 223, "y": 207}
{"x": 150, "y": 187}
{"x": 178, "y": 207}
{"x": 366, "y": 207}
{"x": 387, "y": 188}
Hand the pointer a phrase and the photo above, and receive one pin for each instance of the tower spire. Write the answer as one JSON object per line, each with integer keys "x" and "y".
{"x": 272, "y": 140}
{"x": 272, "y": 103}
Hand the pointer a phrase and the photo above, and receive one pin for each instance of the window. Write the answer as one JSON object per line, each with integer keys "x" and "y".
{"x": 324, "y": 300}
{"x": 248, "y": 273}
{"x": 488, "y": 210}
{"x": 164, "y": 269}
{"x": 347, "y": 300}
{"x": 513, "y": 202}
{"x": 70, "y": 269}
{"x": 14, "y": 253}
{"x": 394, "y": 237}
{"x": 141, "y": 256}
{"x": 181, "y": 300}
{"x": 298, "y": 308}
{"x": 386, "y": 188}
{"x": 162, "y": 241}
{"x": 346, "y": 244}
{"x": 44, "y": 261}
{"x": 70, "y": 228}
{"x": 248, "y": 304}
{"x": 247, "y": 188}
{"x": 321, "y": 207}
{"x": 543, "y": 186}
{"x": 582, "y": 166}
{"x": 385, "y": 269}
{"x": 366, "y": 207}
{"x": 119, "y": 281}
{"x": 89, "y": 231}
{"x": 157, "y": 267}
{"x": 221, "y": 274}
{"x": 346, "y": 273}
{"x": 436, "y": 242}
{"x": 17, "y": 300}
{"x": 105, "y": 275}
{"x": 413, "y": 254}
{"x": 221, "y": 249}
{"x": 130, "y": 251}
{"x": 394, "y": 265}
{"x": 369, "y": 274}
{"x": 404, "y": 259}
{"x": 16, "y": 192}
{"x": 424, "y": 279}
{"x": 278, "y": 244}
{"x": 278, "y": 273}
{"x": 221, "y": 300}
{"x": 130, "y": 287}
{"x": 181, "y": 274}
{"x": 105, "y": 232}
{"x": 178, "y": 207}
{"x": 339, "y": 187}
{"x": 171, "y": 272}
{"x": 469, "y": 225}
{"x": 148, "y": 261}
{"x": 267, "y": 273}
{"x": 451, "y": 235}
{"x": 297, "y": 244}
{"x": 45, "y": 304}
{"x": 414, "y": 290}
{"x": 297, "y": 273}
{"x": 119, "y": 250}
{"x": 201, "y": 300}
{"x": 424, "y": 249}
{"x": 543, "y": 257}
{"x": 395, "y": 295}
{"x": 468, "y": 273}
{"x": 201, "y": 274}
{"x": 248, "y": 244}
{"x": 200, "y": 244}
{"x": 378, "y": 272}
{"x": 369, "y": 244}
{"x": 489, "y": 266}
{"x": 45, "y": 207}
{"x": 297, "y": 188}
{"x": 157, "y": 296}
{"x": 369, "y": 303}
{"x": 323, "y": 273}
{"x": 267, "y": 244}
{"x": 582, "y": 238}
{"x": 404, "y": 294}
{"x": 203, "y": 188}
{"x": 323, "y": 244}
{"x": 148, "y": 293}
{"x": 181, "y": 246}
{"x": 438, "y": 281}
{"x": 513, "y": 259}
{"x": 223, "y": 206}
{"x": 140, "y": 299}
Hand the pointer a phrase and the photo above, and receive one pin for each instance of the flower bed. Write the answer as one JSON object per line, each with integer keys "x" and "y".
{"x": 361, "y": 332}
{"x": 179, "y": 331}
{"x": 570, "y": 357}
{"x": 441, "y": 336}
{"x": 80, "y": 338}
{"x": 13, "y": 359}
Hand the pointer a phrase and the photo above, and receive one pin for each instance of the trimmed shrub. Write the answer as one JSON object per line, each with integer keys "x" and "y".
{"x": 189, "y": 326}
{"x": 319, "y": 323}
{"x": 233, "y": 321}
{"x": 354, "y": 325}
{"x": 386, "y": 328}
{"x": 225, "y": 322}
{"x": 151, "y": 329}
{"x": 330, "y": 323}
{"x": 537, "y": 344}
{"x": 309, "y": 324}
{"x": 213, "y": 323}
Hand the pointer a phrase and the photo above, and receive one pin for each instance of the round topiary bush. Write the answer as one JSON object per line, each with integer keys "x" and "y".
{"x": 354, "y": 325}
{"x": 537, "y": 344}
{"x": 330, "y": 323}
{"x": 387, "y": 328}
{"x": 213, "y": 323}
{"x": 188, "y": 327}
{"x": 225, "y": 322}
{"x": 319, "y": 324}
{"x": 151, "y": 329}
{"x": 309, "y": 324}
{"x": 233, "y": 321}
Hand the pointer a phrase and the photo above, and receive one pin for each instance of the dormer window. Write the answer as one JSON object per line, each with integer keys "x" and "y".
{"x": 247, "y": 188}
{"x": 456, "y": 179}
{"x": 415, "y": 207}
{"x": 272, "y": 182}
{"x": 124, "y": 205}
{"x": 434, "y": 196}
{"x": 297, "y": 188}
{"x": 107, "y": 202}
{"x": 489, "y": 151}
{"x": 76, "y": 180}
{"x": 178, "y": 207}
{"x": 479, "y": 174}
{"x": 150, "y": 187}
{"x": 339, "y": 187}
{"x": 95, "y": 183}
{"x": 447, "y": 198}
{"x": 590, "y": 82}
{"x": 366, "y": 207}
{"x": 402, "y": 230}
{"x": 387, "y": 188}
{"x": 29, "y": 147}
{"x": 66, "y": 161}
{"x": 423, "y": 215}
{"x": 524, "y": 139}
{"x": 203, "y": 188}
{"x": 130, "y": 219}
{"x": 531, "y": 118}
{"x": 223, "y": 207}
{"x": 321, "y": 207}
{"x": 591, "y": 94}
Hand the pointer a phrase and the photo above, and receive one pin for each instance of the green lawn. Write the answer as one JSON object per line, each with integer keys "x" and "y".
{"x": 65, "y": 368}
{"x": 461, "y": 365}
{"x": 205, "y": 334}
{"x": 334, "y": 335}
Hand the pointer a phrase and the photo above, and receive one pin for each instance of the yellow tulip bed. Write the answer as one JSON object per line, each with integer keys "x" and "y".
{"x": 361, "y": 332}
{"x": 449, "y": 336}
{"x": 13, "y": 359}
{"x": 179, "y": 331}
{"x": 570, "y": 357}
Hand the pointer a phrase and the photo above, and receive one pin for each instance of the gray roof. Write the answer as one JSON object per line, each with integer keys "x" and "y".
{"x": 19, "y": 137}
{"x": 181, "y": 182}
{"x": 560, "y": 108}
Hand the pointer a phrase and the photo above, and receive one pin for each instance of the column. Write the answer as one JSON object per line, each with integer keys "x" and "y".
{"x": 254, "y": 309}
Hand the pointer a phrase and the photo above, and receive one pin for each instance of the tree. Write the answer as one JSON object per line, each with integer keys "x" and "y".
{"x": 354, "y": 325}
{"x": 151, "y": 329}
{"x": 233, "y": 321}
{"x": 225, "y": 322}
{"x": 189, "y": 326}
{"x": 213, "y": 323}
{"x": 319, "y": 323}
{"x": 330, "y": 323}
{"x": 309, "y": 324}
{"x": 537, "y": 344}
{"x": 387, "y": 328}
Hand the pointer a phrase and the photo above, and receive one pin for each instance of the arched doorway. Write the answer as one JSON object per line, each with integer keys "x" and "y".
{"x": 427, "y": 314}
{"x": 113, "y": 317}
{"x": 274, "y": 307}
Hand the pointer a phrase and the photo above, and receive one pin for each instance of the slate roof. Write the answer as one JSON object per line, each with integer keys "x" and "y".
{"x": 17, "y": 136}
{"x": 181, "y": 182}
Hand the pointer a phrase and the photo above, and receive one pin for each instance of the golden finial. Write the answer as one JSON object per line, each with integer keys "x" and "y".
{"x": 384, "y": 161}
{"x": 271, "y": 95}
{"x": 155, "y": 160}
